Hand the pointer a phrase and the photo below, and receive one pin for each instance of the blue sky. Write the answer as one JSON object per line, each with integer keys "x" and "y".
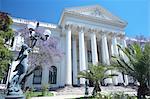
{"x": 135, "y": 12}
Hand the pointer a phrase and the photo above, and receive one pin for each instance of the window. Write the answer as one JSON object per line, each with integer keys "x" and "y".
{"x": 53, "y": 75}
{"x": 37, "y": 78}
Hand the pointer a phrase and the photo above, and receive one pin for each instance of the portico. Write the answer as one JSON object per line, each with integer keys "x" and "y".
{"x": 97, "y": 26}
{"x": 95, "y": 37}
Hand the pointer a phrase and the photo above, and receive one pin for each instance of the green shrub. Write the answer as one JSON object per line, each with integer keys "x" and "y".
{"x": 28, "y": 94}
{"x": 44, "y": 90}
{"x": 119, "y": 95}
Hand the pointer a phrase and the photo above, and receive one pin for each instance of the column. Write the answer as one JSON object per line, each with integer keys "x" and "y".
{"x": 75, "y": 80}
{"x": 119, "y": 77}
{"x": 125, "y": 57}
{"x": 63, "y": 65}
{"x": 105, "y": 58}
{"x": 86, "y": 53}
{"x": 105, "y": 54}
{"x": 114, "y": 53}
{"x": 94, "y": 48}
{"x": 114, "y": 79}
{"x": 115, "y": 47}
{"x": 68, "y": 57}
{"x": 82, "y": 61}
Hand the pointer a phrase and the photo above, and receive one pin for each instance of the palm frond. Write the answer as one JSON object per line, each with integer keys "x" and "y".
{"x": 137, "y": 63}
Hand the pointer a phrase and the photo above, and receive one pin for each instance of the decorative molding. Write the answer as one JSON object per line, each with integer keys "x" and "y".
{"x": 104, "y": 15}
{"x": 80, "y": 28}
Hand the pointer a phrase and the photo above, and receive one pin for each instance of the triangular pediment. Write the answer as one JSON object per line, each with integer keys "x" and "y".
{"x": 95, "y": 11}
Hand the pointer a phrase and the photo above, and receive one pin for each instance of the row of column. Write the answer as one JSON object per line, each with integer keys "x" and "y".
{"x": 82, "y": 60}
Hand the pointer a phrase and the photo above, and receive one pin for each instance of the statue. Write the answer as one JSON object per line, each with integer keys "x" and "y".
{"x": 21, "y": 69}
{"x": 14, "y": 89}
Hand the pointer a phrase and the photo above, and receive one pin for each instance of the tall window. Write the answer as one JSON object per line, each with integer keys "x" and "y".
{"x": 53, "y": 75}
{"x": 37, "y": 78}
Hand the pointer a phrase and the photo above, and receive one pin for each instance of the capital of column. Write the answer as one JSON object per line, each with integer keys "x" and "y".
{"x": 92, "y": 30}
{"x": 121, "y": 34}
{"x": 80, "y": 28}
{"x": 68, "y": 26}
{"x": 104, "y": 33}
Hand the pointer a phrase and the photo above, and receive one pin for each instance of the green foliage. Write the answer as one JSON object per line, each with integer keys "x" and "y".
{"x": 31, "y": 93}
{"x": 44, "y": 90}
{"x": 118, "y": 95}
{"x": 96, "y": 73}
{"x": 6, "y": 34}
{"x": 28, "y": 94}
{"x": 136, "y": 63}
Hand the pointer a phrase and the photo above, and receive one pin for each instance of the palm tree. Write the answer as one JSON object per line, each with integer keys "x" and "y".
{"x": 96, "y": 73}
{"x": 136, "y": 63}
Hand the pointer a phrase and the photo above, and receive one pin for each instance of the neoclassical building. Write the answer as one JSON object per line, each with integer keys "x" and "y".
{"x": 88, "y": 35}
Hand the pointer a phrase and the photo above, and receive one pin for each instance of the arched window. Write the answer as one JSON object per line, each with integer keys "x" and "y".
{"x": 53, "y": 75}
{"x": 37, "y": 77}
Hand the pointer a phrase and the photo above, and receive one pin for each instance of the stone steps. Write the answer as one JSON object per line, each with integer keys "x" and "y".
{"x": 68, "y": 90}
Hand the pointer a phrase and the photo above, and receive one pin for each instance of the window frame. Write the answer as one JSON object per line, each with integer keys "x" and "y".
{"x": 38, "y": 76}
{"x": 53, "y": 75}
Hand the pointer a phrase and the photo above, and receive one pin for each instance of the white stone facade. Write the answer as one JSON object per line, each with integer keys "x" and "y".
{"x": 87, "y": 35}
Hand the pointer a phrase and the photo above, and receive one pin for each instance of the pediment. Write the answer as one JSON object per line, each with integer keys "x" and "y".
{"x": 95, "y": 11}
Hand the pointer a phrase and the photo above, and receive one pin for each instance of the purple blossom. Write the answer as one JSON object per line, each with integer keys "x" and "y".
{"x": 48, "y": 49}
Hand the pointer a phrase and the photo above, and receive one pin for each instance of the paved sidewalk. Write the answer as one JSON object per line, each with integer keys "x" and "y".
{"x": 59, "y": 97}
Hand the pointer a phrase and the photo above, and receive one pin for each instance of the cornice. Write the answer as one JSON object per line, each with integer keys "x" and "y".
{"x": 95, "y": 19}
{"x": 77, "y": 12}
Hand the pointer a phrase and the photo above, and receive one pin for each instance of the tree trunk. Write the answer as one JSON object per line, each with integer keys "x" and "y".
{"x": 148, "y": 80}
{"x": 96, "y": 88}
{"x": 142, "y": 91}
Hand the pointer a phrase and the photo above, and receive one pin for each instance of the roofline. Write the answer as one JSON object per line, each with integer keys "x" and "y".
{"x": 61, "y": 17}
{"x": 96, "y": 5}
{"x": 25, "y": 21}
{"x": 66, "y": 11}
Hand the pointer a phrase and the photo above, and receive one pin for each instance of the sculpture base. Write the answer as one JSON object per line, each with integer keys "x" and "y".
{"x": 15, "y": 97}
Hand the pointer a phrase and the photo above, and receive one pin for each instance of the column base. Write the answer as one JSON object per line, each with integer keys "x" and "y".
{"x": 109, "y": 84}
{"x": 15, "y": 97}
{"x": 68, "y": 85}
{"x": 120, "y": 84}
{"x": 76, "y": 85}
